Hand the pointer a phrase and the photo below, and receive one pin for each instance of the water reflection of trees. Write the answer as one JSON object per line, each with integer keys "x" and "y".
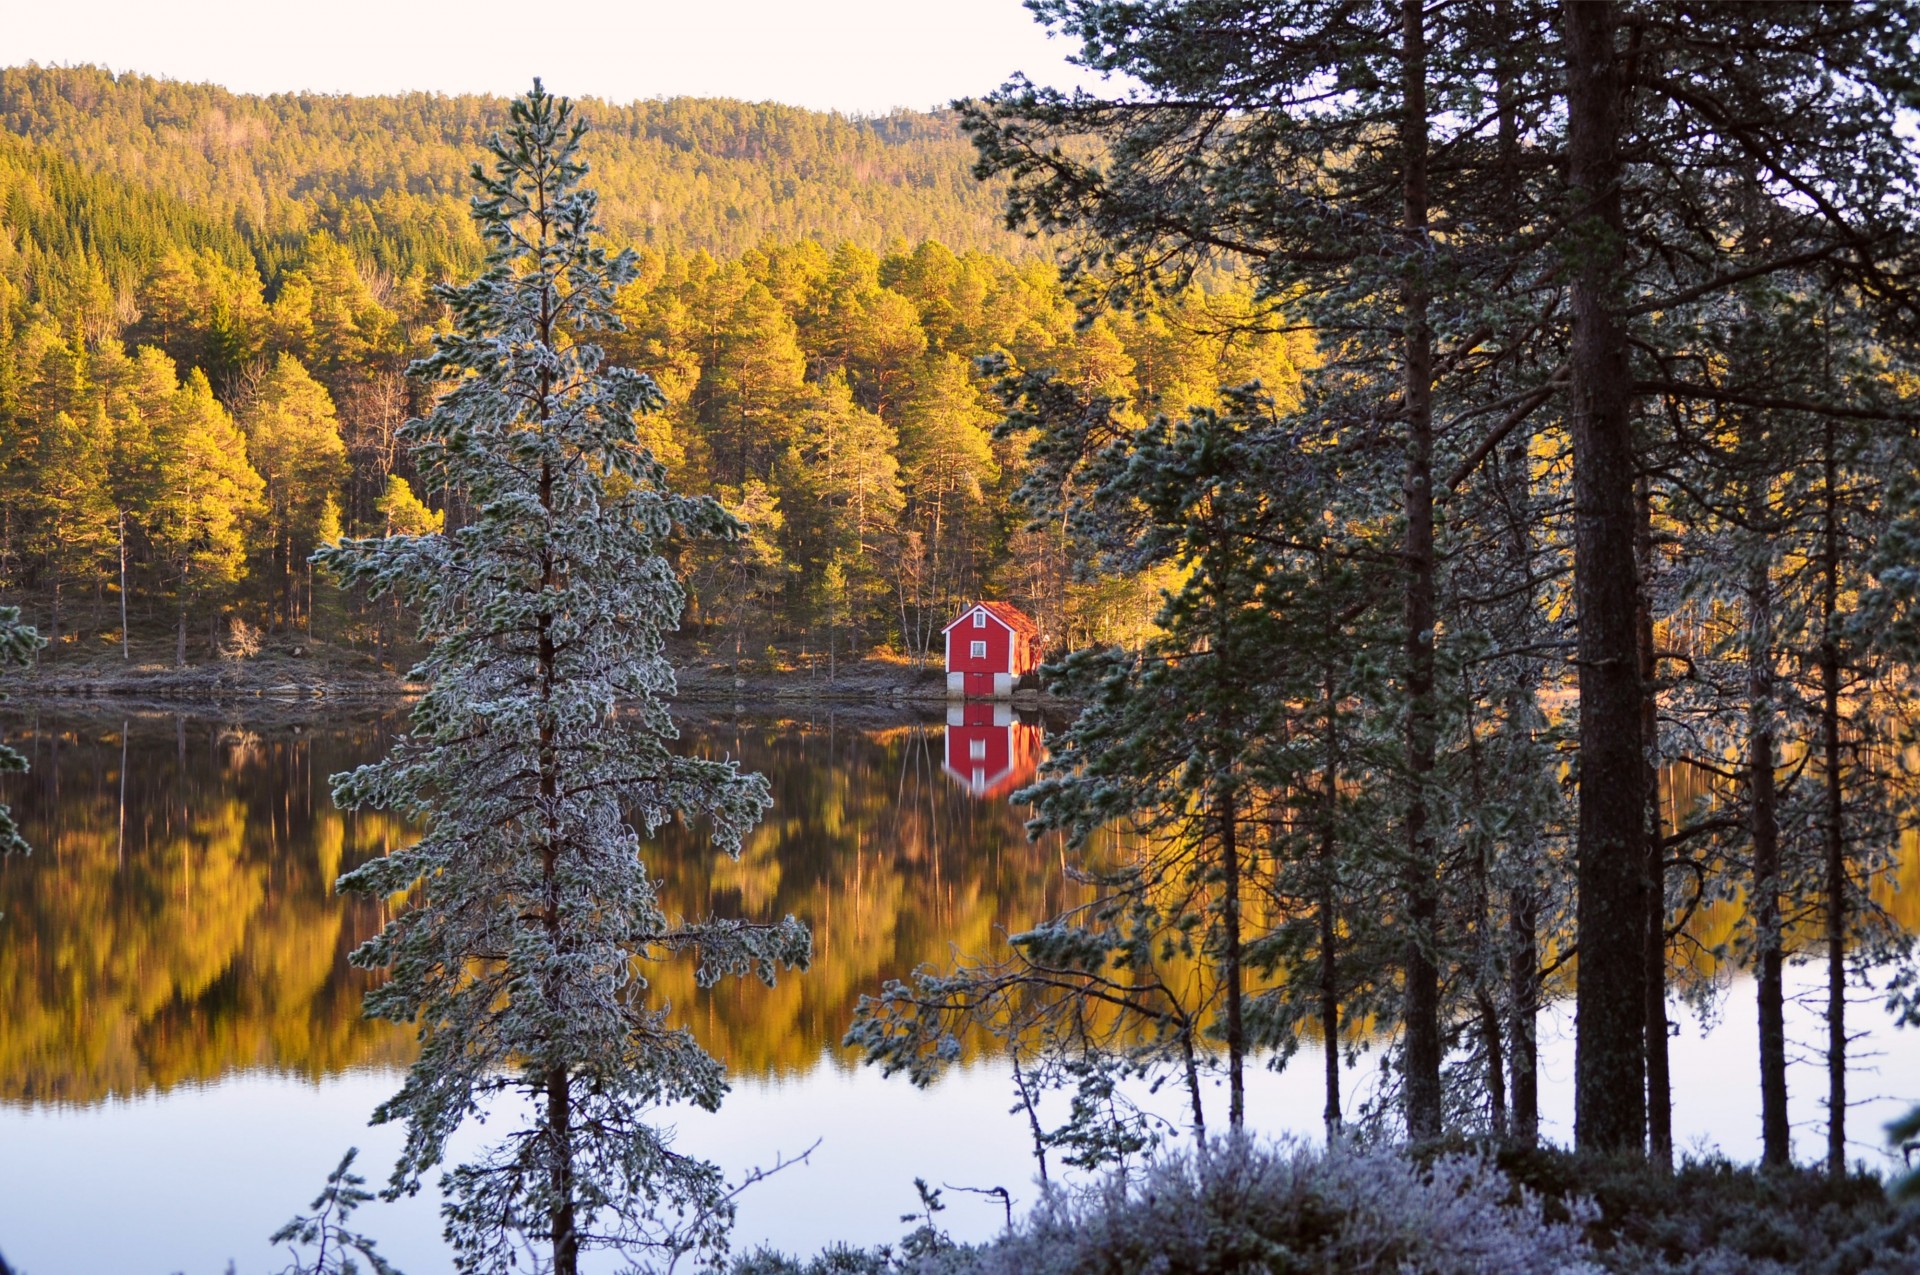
{"x": 177, "y": 921}
{"x": 870, "y": 843}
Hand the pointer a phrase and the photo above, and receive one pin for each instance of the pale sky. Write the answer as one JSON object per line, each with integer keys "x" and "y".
{"x": 848, "y": 55}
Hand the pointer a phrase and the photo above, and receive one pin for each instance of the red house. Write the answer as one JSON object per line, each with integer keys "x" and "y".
{"x": 989, "y": 648}
{"x": 990, "y": 752}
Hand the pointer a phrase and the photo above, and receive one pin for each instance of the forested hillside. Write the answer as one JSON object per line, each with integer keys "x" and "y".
{"x": 208, "y": 304}
{"x": 387, "y": 175}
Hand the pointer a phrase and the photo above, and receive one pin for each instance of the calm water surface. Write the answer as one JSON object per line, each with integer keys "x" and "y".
{"x": 182, "y": 1057}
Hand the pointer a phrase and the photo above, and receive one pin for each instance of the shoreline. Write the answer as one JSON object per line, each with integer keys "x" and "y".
{"x": 294, "y": 680}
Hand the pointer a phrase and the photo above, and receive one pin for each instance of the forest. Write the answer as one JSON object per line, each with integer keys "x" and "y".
{"x": 194, "y": 396}
{"x": 1465, "y": 461}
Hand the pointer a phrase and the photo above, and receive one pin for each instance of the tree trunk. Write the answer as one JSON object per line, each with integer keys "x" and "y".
{"x": 1523, "y": 993}
{"x": 1486, "y": 958}
{"x": 1330, "y": 917}
{"x": 560, "y": 1216}
{"x": 1831, "y": 819}
{"x": 125, "y": 653}
{"x": 1232, "y": 973}
{"x": 1610, "y": 1006}
{"x": 562, "y": 1231}
{"x": 1422, "y": 1004}
{"x": 1763, "y": 812}
{"x": 1659, "y": 1082}
{"x": 180, "y": 642}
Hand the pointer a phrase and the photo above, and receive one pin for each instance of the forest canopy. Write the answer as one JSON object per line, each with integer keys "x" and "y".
{"x": 191, "y": 278}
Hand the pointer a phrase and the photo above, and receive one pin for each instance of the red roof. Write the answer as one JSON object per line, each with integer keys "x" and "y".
{"x": 1008, "y": 614}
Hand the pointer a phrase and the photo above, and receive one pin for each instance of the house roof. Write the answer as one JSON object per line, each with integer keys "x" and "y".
{"x": 1009, "y": 615}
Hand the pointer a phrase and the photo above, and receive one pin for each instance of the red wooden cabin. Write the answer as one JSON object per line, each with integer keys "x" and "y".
{"x": 989, "y": 648}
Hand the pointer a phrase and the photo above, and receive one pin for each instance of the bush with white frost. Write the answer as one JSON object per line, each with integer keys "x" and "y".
{"x": 1243, "y": 1206}
{"x": 1275, "y": 1209}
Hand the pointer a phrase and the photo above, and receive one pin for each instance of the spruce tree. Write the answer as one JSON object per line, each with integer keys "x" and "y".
{"x": 543, "y": 733}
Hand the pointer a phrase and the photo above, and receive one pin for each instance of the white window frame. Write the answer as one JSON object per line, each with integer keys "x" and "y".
{"x": 979, "y": 618}
{"x": 977, "y": 651}
{"x": 976, "y": 750}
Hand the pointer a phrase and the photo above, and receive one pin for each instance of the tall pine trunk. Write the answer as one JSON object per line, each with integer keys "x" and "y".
{"x": 1234, "y": 974}
{"x": 1486, "y": 973}
{"x": 1764, "y": 815}
{"x": 1610, "y": 1007}
{"x": 1659, "y": 1082}
{"x": 561, "y": 1229}
{"x": 125, "y": 652}
{"x": 1833, "y": 813}
{"x": 1523, "y": 996}
{"x": 1329, "y": 876}
{"x": 1422, "y": 1005}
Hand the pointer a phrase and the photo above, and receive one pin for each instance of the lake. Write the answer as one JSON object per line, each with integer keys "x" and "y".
{"x": 182, "y": 1058}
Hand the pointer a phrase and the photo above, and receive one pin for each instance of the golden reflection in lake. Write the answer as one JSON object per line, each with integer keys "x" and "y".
{"x": 177, "y": 922}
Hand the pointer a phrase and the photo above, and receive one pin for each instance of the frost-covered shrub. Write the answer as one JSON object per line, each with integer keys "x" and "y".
{"x": 1243, "y": 1206}
{"x": 835, "y": 1259}
{"x": 1290, "y": 1209}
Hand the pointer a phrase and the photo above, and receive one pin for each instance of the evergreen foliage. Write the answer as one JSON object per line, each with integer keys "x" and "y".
{"x": 543, "y": 731}
{"x": 1563, "y": 263}
{"x": 753, "y": 351}
{"x": 325, "y": 1229}
{"x": 18, "y": 642}
{"x": 385, "y": 176}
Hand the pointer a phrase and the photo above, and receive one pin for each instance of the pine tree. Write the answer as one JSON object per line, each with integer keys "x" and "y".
{"x": 405, "y": 514}
{"x": 203, "y": 494}
{"x": 543, "y": 727}
{"x": 293, "y": 441}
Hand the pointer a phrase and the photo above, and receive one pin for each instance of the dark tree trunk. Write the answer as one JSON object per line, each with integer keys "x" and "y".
{"x": 1330, "y": 933}
{"x": 1486, "y": 972}
{"x": 1422, "y": 1007}
{"x": 1763, "y": 811}
{"x": 1659, "y": 1081}
{"x": 1832, "y": 816}
{"x": 1610, "y": 1007}
{"x": 1230, "y": 960}
{"x": 1523, "y": 993}
{"x": 1329, "y": 882}
{"x": 125, "y": 652}
{"x": 563, "y": 1232}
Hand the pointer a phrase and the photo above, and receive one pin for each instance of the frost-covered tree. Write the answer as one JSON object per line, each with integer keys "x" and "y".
{"x": 539, "y": 757}
{"x": 18, "y": 642}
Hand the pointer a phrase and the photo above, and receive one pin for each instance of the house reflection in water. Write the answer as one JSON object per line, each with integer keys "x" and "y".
{"x": 990, "y": 750}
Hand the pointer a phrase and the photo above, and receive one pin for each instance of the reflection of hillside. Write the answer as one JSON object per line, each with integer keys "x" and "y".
{"x": 176, "y": 922}
{"x": 872, "y": 845}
